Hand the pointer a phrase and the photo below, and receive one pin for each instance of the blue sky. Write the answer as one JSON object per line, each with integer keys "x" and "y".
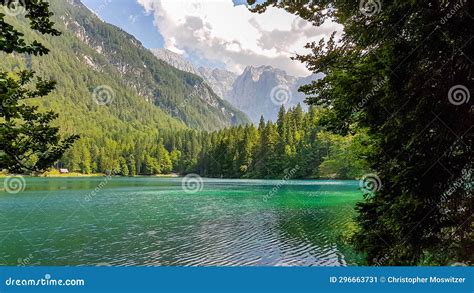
{"x": 131, "y": 17}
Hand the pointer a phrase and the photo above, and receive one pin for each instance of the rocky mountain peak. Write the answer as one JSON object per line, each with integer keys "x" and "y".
{"x": 251, "y": 91}
{"x": 175, "y": 60}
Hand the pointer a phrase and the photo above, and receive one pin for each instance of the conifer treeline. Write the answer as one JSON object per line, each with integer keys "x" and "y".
{"x": 295, "y": 142}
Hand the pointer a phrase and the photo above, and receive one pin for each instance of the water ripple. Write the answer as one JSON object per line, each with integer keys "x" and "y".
{"x": 227, "y": 224}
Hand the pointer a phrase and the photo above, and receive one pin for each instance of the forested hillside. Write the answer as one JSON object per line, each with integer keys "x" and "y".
{"x": 295, "y": 143}
{"x": 181, "y": 94}
{"x": 113, "y": 92}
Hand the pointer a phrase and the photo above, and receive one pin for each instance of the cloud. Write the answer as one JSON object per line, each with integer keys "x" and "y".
{"x": 221, "y": 31}
{"x": 132, "y": 18}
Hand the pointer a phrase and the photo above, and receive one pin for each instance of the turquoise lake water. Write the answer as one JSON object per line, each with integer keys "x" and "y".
{"x": 150, "y": 221}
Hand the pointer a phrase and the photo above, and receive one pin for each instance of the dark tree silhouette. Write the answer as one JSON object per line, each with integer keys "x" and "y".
{"x": 404, "y": 70}
{"x": 28, "y": 142}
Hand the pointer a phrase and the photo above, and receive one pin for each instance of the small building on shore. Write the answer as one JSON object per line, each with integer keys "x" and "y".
{"x": 63, "y": 171}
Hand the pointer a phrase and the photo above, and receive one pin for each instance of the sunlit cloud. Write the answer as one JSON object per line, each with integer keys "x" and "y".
{"x": 223, "y": 32}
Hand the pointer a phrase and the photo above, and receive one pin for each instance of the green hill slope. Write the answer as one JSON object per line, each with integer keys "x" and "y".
{"x": 92, "y": 54}
{"x": 121, "y": 100}
{"x": 180, "y": 94}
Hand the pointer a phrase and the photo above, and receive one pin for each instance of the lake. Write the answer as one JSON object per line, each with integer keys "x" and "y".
{"x": 151, "y": 221}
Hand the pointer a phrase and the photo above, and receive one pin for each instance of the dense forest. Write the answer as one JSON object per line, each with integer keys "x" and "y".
{"x": 267, "y": 151}
{"x": 295, "y": 142}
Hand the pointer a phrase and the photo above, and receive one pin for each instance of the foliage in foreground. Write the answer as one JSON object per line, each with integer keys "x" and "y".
{"x": 27, "y": 139}
{"x": 404, "y": 70}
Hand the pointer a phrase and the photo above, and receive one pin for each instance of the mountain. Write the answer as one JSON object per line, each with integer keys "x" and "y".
{"x": 257, "y": 91}
{"x": 219, "y": 80}
{"x": 106, "y": 48}
{"x": 175, "y": 60}
{"x": 262, "y": 90}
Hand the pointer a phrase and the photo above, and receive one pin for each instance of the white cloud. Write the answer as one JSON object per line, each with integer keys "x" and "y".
{"x": 132, "y": 18}
{"x": 219, "y": 31}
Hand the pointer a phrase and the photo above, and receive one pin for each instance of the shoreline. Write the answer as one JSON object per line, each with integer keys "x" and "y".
{"x": 80, "y": 175}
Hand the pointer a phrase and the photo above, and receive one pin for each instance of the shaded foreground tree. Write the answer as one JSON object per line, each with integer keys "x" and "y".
{"x": 404, "y": 70}
{"x": 27, "y": 139}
